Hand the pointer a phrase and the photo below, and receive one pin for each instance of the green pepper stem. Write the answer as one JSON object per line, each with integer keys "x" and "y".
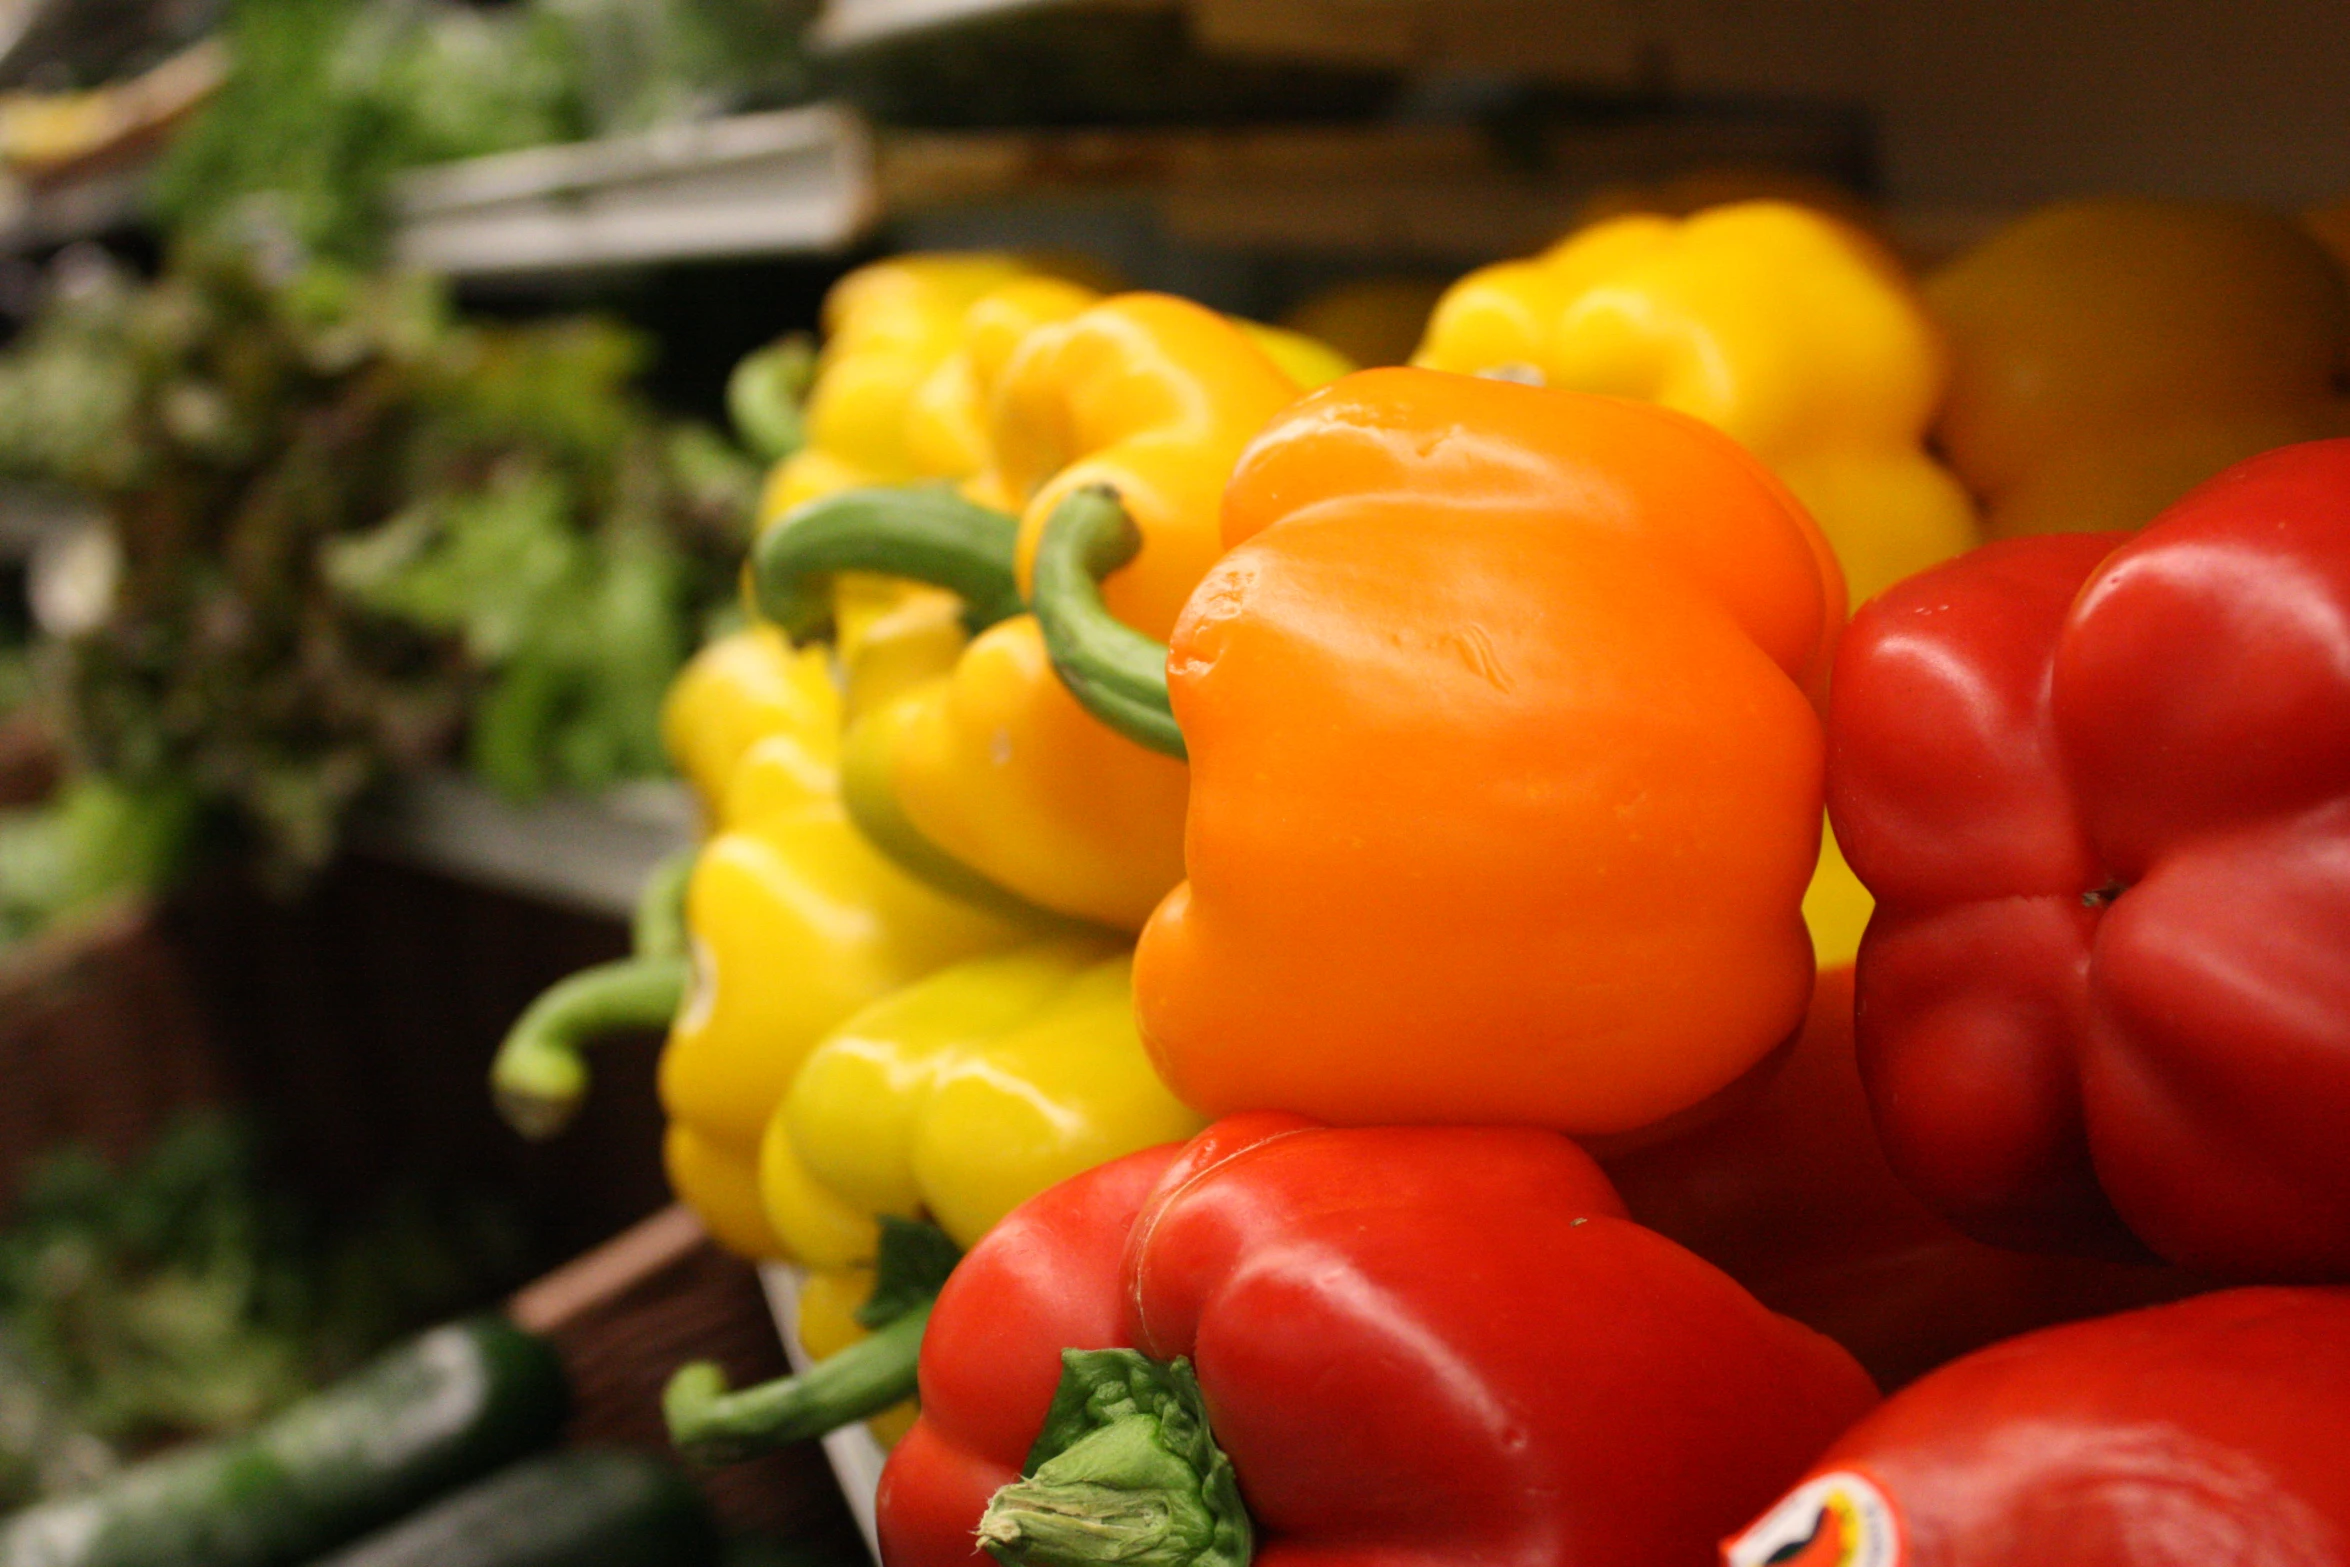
{"x": 925, "y": 532}
{"x": 1124, "y": 1471}
{"x": 540, "y": 1074}
{"x": 869, "y": 794}
{"x": 765, "y": 393}
{"x": 1115, "y": 672}
{"x": 711, "y": 1425}
{"x": 658, "y": 928}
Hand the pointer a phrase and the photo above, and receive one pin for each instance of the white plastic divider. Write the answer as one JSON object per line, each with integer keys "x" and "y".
{"x": 855, "y": 1456}
{"x": 793, "y": 180}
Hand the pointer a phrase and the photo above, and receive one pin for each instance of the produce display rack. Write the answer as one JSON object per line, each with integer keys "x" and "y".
{"x": 818, "y": 179}
{"x": 1389, "y": 193}
{"x": 627, "y": 1314}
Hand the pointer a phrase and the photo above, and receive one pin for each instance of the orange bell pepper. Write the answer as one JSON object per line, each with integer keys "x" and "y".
{"x": 1506, "y": 773}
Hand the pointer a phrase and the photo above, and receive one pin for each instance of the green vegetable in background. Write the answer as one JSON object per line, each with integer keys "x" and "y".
{"x": 188, "y": 1294}
{"x": 354, "y": 528}
{"x": 94, "y": 841}
{"x": 588, "y": 1507}
{"x": 328, "y": 100}
{"x": 437, "y": 1412}
{"x": 765, "y": 393}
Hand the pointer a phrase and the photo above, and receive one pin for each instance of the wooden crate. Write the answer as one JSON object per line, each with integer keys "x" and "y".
{"x": 102, "y": 1039}
{"x": 632, "y": 1311}
{"x": 28, "y": 760}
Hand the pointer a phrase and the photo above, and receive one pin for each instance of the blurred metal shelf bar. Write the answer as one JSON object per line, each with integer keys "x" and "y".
{"x": 592, "y": 855}
{"x": 795, "y": 180}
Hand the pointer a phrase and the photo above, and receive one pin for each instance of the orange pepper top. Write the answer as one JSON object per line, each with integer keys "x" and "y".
{"x": 1505, "y": 784}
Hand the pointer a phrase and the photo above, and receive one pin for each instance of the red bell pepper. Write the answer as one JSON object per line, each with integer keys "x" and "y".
{"x": 2188, "y": 1435}
{"x": 1789, "y": 1194}
{"x": 2100, "y": 787}
{"x": 1349, "y": 1346}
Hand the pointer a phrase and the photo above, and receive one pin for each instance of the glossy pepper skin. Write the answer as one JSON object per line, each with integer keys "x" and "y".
{"x": 994, "y": 769}
{"x": 1505, "y": 787}
{"x": 1790, "y": 1195}
{"x": 1432, "y": 1343}
{"x": 796, "y": 923}
{"x": 790, "y": 922}
{"x": 2178, "y": 1436}
{"x": 1790, "y": 331}
{"x": 2109, "y": 355}
{"x": 889, "y": 327}
{"x": 2100, "y": 787}
{"x": 912, "y": 347}
{"x": 962, "y": 1096}
{"x": 751, "y": 691}
{"x": 952, "y": 1100}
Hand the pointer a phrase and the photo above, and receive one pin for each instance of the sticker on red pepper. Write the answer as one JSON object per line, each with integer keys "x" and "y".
{"x": 1839, "y": 1519}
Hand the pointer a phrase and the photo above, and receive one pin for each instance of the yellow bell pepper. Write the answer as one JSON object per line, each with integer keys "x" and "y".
{"x": 1787, "y": 330}
{"x": 1694, "y": 190}
{"x": 2110, "y": 355}
{"x": 955, "y": 1100}
{"x": 789, "y": 922}
{"x": 993, "y": 775}
{"x": 960, "y": 1097}
{"x": 750, "y": 691}
{"x": 1836, "y": 906}
{"x": 796, "y": 922}
{"x": 887, "y": 328}
{"x": 1304, "y": 358}
{"x": 1372, "y": 321}
{"x": 900, "y": 386}
{"x": 946, "y": 424}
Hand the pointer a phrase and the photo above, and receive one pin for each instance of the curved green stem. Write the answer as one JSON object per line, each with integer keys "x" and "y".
{"x": 712, "y": 1425}
{"x": 1117, "y": 674}
{"x": 657, "y": 929}
{"x": 765, "y": 393}
{"x": 869, "y": 794}
{"x": 925, "y": 532}
{"x": 540, "y": 1075}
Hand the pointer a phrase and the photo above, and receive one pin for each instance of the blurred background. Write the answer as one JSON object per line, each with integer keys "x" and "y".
{"x": 368, "y": 469}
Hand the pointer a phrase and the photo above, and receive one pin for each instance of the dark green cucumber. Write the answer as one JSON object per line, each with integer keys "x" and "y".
{"x": 589, "y": 1508}
{"x": 430, "y": 1415}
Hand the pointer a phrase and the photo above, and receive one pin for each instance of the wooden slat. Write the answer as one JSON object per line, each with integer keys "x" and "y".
{"x": 1596, "y": 42}
{"x": 1429, "y": 192}
{"x": 629, "y": 1313}
{"x": 102, "y": 1040}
